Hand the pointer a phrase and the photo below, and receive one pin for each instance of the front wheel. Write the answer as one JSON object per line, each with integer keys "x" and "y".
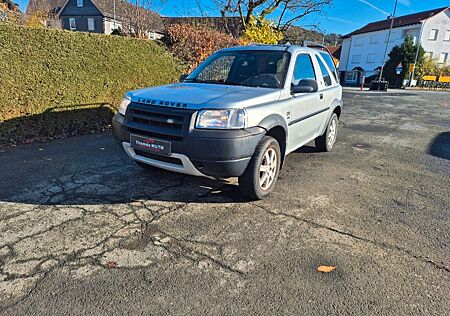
{"x": 326, "y": 141}
{"x": 261, "y": 174}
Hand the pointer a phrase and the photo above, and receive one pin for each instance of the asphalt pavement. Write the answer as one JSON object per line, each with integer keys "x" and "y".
{"x": 85, "y": 231}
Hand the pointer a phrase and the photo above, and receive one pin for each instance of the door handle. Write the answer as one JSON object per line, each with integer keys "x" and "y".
{"x": 321, "y": 96}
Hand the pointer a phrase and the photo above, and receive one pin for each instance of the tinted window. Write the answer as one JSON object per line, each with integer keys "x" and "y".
{"x": 326, "y": 75}
{"x": 218, "y": 70}
{"x": 329, "y": 62}
{"x": 304, "y": 69}
{"x": 246, "y": 68}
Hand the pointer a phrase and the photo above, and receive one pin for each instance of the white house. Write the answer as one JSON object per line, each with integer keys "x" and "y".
{"x": 363, "y": 49}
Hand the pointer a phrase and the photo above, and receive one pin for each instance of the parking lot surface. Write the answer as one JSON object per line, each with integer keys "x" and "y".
{"x": 83, "y": 230}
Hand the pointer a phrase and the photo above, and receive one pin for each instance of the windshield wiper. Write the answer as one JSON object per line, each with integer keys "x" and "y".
{"x": 235, "y": 83}
{"x": 230, "y": 83}
{"x": 195, "y": 80}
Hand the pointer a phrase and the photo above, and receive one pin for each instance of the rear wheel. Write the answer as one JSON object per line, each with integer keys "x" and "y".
{"x": 326, "y": 141}
{"x": 261, "y": 174}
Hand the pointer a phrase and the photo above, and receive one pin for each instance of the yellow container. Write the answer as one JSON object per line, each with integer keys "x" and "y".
{"x": 429, "y": 78}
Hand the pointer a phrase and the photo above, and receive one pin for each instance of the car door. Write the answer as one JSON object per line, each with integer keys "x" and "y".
{"x": 304, "y": 122}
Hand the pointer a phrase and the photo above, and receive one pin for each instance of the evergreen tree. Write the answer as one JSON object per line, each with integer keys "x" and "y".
{"x": 405, "y": 55}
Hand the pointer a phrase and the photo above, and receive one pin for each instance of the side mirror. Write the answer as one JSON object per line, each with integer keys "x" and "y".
{"x": 183, "y": 77}
{"x": 305, "y": 86}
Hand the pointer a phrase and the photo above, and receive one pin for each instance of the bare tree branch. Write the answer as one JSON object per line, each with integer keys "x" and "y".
{"x": 295, "y": 10}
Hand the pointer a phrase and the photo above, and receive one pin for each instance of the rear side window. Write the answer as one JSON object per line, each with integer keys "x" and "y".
{"x": 326, "y": 75}
{"x": 304, "y": 69}
{"x": 330, "y": 63}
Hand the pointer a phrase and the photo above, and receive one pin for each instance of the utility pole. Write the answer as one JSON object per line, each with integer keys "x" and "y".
{"x": 114, "y": 14}
{"x": 419, "y": 40}
{"x": 387, "y": 44}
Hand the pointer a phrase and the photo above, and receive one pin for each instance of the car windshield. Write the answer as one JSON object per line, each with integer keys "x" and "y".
{"x": 265, "y": 69}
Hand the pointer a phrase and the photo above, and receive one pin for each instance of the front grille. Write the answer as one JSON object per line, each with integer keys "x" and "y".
{"x": 155, "y": 135}
{"x": 171, "y": 160}
{"x": 157, "y": 121}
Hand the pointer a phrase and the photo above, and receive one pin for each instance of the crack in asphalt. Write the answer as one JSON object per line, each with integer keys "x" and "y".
{"x": 351, "y": 235}
{"x": 177, "y": 246}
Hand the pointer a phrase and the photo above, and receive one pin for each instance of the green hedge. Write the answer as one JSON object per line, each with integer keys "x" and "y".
{"x": 55, "y": 83}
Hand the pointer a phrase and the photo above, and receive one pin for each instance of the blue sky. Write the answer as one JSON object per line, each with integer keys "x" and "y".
{"x": 343, "y": 17}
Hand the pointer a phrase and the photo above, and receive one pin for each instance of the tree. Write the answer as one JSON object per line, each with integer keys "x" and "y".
{"x": 431, "y": 67}
{"x": 290, "y": 11}
{"x": 138, "y": 16}
{"x": 41, "y": 12}
{"x": 261, "y": 31}
{"x": 405, "y": 54}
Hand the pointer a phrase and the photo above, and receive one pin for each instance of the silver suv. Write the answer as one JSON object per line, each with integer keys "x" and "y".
{"x": 237, "y": 115}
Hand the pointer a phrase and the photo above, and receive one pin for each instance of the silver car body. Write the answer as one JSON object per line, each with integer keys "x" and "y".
{"x": 304, "y": 115}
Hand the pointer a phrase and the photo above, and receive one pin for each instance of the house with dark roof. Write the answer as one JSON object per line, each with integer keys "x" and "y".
{"x": 362, "y": 50}
{"x": 104, "y": 16}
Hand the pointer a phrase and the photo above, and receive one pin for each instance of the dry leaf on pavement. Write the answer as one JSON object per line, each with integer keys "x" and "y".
{"x": 325, "y": 269}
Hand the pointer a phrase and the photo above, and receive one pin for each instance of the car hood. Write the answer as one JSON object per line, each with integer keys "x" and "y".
{"x": 201, "y": 96}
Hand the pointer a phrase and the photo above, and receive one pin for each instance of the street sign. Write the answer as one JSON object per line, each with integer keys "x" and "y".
{"x": 411, "y": 67}
{"x": 399, "y": 69}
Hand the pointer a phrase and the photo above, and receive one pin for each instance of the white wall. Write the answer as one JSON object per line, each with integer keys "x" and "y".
{"x": 346, "y": 43}
{"x": 109, "y": 25}
{"x": 440, "y": 22}
{"x": 366, "y": 50}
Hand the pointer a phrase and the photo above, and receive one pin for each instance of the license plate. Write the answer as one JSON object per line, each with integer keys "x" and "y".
{"x": 151, "y": 145}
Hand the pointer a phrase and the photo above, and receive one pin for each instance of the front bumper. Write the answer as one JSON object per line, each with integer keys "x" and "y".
{"x": 211, "y": 153}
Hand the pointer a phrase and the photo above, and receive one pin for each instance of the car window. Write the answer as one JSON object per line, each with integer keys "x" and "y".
{"x": 326, "y": 75}
{"x": 218, "y": 70}
{"x": 330, "y": 63}
{"x": 250, "y": 68}
{"x": 303, "y": 69}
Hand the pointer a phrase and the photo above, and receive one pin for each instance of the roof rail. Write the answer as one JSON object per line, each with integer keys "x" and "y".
{"x": 316, "y": 45}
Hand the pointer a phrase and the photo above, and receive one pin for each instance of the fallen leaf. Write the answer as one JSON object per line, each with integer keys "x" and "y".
{"x": 111, "y": 264}
{"x": 325, "y": 269}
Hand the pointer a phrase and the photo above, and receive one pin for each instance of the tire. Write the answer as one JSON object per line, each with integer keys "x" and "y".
{"x": 144, "y": 166}
{"x": 249, "y": 183}
{"x": 326, "y": 141}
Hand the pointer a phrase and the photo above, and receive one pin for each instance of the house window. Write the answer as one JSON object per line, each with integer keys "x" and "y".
{"x": 91, "y": 24}
{"x": 412, "y": 33}
{"x": 356, "y": 59}
{"x": 72, "y": 24}
{"x": 447, "y": 36}
{"x": 373, "y": 39}
{"x": 359, "y": 41}
{"x": 443, "y": 58}
{"x": 79, "y": 3}
{"x": 371, "y": 58}
{"x": 393, "y": 37}
{"x": 351, "y": 76}
{"x": 433, "y": 35}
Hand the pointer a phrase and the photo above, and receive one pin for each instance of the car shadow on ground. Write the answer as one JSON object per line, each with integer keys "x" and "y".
{"x": 94, "y": 170}
{"x": 440, "y": 146}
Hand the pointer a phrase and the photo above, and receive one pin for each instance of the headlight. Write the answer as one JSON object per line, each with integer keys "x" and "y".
{"x": 123, "y": 105}
{"x": 221, "y": 119}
